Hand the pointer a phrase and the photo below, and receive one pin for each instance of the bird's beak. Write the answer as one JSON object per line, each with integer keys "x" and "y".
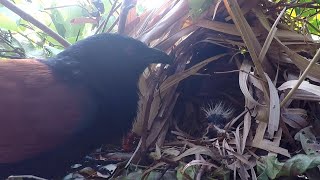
{"x": 158, "y": 56}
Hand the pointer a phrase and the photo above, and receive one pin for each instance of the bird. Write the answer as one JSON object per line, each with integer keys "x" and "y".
{"x": 56, "y": 110}
{"x": 217, "y": 115}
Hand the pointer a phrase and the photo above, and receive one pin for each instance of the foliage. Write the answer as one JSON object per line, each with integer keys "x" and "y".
{"x": 271, "y": 168}
{"x": 72, "y": 20}
{"x": 305, "y": 18}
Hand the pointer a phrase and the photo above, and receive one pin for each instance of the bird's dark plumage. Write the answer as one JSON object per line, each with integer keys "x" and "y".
{"x": 55, "y": 111}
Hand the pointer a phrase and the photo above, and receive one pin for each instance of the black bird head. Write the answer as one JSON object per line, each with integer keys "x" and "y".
{"x": 106, "y": 58}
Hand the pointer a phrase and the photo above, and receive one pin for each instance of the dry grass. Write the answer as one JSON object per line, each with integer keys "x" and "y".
{"x": 250, "y": 58}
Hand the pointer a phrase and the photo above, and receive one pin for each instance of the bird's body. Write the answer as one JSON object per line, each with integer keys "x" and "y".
{"x": 55, "y": 111}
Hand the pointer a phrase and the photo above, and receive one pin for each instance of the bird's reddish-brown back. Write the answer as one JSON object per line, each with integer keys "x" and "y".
{"x": 37, "y": 111}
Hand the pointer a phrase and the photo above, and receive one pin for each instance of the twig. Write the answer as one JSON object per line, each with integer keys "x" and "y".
{"x": 231, "y": 71}
{"x": 113, "y": 25}
{"x": 305, "y": 5}
{"x": 113, "y": 9}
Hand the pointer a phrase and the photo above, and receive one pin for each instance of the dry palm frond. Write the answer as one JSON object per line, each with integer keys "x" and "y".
{"x": 246, "y": 54}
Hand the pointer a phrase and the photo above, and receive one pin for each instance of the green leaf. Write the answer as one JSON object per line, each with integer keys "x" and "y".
{"x": 58, "y": 22}
{"x": 272, "y": 168}
{"x": 222, "y": 173}
{"x": 309, "y": 142}
{"x": 107, "y": 6}
{"x": 8, "y": 19}
{"x": 62, "y": 17}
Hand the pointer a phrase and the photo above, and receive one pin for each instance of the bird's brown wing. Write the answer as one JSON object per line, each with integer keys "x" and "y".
{"x": 37, "y": 112}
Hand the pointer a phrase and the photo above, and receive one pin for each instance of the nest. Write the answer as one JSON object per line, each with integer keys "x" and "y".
{"x": 237, "y": 59}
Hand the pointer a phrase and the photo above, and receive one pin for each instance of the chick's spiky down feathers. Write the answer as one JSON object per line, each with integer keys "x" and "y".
{"x": 218, "y": 114}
